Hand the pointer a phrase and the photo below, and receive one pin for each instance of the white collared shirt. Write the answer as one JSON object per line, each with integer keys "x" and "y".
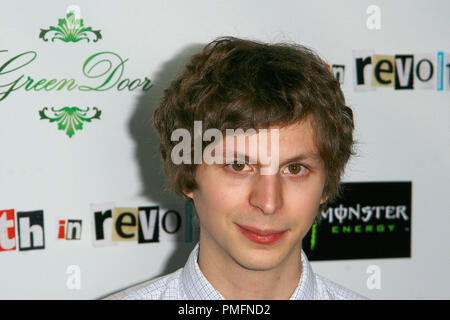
{"x": 189, "y": 283}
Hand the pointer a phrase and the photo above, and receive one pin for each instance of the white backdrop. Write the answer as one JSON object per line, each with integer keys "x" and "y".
{"x": 403, "y": 135}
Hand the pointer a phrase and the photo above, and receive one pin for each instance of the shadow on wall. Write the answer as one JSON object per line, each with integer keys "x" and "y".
{"x": 147, "y": 154}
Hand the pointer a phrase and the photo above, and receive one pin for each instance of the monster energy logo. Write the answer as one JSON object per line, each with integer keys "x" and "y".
{"x": 313, "y": 236}
{"x": 342, "y": 213}
{"x": 365, "y": 213}
{"x": 368, "y": 228}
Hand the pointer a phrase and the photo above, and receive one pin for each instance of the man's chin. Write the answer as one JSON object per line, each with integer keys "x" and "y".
{"x": 259, "y": 261}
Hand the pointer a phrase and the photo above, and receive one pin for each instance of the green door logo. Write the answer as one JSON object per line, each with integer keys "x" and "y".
{"x": 70, "y": 29}
{"x": 70, "y": 118}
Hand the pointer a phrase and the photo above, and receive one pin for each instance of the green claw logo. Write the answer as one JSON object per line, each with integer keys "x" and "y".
{"x": 71, "y": 29}
{"x": 70, "y": 118}
{"x": 313, "y": 236}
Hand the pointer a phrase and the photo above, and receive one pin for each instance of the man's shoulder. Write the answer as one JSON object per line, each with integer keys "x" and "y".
{"x": 329, "y": 290}
{"x": 166, "y": 287}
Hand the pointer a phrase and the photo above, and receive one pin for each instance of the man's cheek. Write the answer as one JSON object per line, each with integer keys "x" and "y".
{"x": 224, "y": 192}
{"x": 222, "y": 198}
{"x": 308, "y": 202}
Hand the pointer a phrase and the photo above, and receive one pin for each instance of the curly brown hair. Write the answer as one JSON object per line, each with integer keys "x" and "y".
{"x": 236, "y": 83}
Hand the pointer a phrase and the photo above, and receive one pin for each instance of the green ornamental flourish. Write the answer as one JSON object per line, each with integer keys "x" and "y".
{"x": 70, "y": 29}
{"x": 70, "y": 118}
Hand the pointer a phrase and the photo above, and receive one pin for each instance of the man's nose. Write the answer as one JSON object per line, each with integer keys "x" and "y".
{"x": 267, "y": 194}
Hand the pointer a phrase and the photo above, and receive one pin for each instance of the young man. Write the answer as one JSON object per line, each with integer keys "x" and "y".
{"x": 255, "y": 205}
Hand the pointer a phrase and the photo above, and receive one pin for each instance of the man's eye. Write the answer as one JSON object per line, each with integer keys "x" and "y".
{"x": 239, "y": 167}
{"x": 296, "y": 169}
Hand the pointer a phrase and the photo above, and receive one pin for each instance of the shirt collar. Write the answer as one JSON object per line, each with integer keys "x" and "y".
{"x": 197, "y": 287}
{"x": 306, "y": 288}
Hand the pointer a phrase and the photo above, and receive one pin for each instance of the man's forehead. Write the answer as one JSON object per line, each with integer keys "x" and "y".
{"x": 294, "y": 141}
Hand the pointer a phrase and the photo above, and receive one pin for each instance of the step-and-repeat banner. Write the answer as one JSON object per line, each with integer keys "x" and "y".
{"x": 83, "y": 210}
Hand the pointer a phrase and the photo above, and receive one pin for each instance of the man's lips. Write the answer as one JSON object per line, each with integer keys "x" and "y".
{"x": 262, "y": 236}
{"x": 261, "y": 232}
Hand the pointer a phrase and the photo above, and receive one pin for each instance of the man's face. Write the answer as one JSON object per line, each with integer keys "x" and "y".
{"x": 259, "y": 220}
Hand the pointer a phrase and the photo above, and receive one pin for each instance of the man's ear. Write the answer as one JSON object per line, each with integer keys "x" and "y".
{"x": 324, "y": 199}
{"x": 189, "y": 194}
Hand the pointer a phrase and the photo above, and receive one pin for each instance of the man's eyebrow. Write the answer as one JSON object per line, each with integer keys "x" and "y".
{"x": 299, "y": 157}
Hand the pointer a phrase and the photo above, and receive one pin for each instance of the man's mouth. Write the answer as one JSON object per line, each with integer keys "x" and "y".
{"x": 261, "y": 236}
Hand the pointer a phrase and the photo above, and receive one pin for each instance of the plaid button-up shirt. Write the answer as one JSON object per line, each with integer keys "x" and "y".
{"x": 189, "y": 283}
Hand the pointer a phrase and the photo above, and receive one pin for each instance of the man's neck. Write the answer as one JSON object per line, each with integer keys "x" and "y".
{"x": 235, "y": 282}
